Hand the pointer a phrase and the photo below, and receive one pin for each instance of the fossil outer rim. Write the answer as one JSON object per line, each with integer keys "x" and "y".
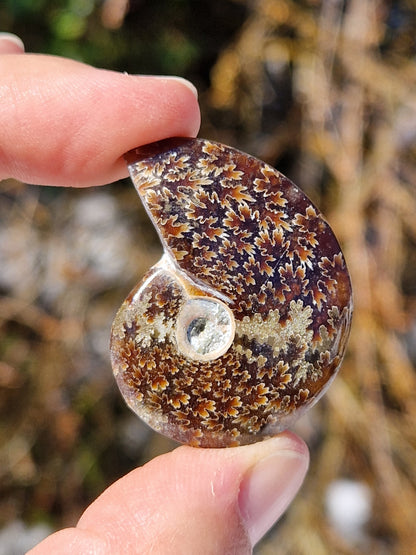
{"x": 236, "y": 230}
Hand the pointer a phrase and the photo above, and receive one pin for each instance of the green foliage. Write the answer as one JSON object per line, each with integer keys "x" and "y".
{"x": 164, "y": 37}
{"x": 325, "y": 92}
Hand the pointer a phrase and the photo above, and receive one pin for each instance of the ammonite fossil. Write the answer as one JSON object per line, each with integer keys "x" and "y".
{"x": 243, "y": 323}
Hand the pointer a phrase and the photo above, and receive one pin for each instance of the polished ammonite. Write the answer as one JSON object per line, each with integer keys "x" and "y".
{"x": 243, "y": 323}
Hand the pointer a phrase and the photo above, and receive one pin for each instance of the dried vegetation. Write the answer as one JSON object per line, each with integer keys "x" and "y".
{"x": 349, "y": 128}
{"x": 326, "y": 92}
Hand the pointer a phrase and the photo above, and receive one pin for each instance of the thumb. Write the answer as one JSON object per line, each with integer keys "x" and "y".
{"x": 211, "y": 501}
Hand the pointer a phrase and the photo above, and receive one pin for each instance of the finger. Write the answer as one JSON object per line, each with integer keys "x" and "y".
{"x": 11, "y": 44}
{"x": 192, "y": 501}
{"x": 67, "y": 123}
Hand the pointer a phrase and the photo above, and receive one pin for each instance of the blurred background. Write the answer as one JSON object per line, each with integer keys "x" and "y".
{"x": 326, "y": 92}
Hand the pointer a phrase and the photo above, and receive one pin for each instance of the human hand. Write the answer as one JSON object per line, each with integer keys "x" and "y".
{"x": 210, "y": 501}
{"x": 65, "y": 123}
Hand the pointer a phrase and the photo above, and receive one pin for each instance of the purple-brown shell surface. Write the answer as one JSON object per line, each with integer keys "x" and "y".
{"x": 243, "y": 323}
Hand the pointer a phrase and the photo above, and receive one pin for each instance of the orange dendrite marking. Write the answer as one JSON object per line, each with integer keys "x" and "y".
{"x": 232, "y": 220}
{"x": 159, "y": 383}
{"x": 173, "y": 229}
{"x": 231, "y": 406}
{"x": 204, "y": 406}
{"x": 179, "y": 399}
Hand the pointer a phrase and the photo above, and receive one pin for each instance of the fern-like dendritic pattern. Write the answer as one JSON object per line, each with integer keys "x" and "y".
{"x": 243, "y": 323}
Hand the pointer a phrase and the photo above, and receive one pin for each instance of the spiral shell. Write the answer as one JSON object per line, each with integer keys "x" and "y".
{"x": 243, "y": 323}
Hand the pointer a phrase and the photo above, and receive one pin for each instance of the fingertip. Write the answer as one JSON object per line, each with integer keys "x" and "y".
{"x": 148, "y": 109}
{"x": 294, "y": 443}
{"x": 81, "y": 140}
{"x": 11, "y": 44}
{"x": 181, "y": 81}
{"x": 270, "y": 485}
{"x": 196, "y": 500}
{"x": 263, "y": 478}
{"x": 182, "y": 98}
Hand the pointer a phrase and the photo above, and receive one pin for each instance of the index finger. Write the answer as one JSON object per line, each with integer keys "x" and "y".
{"x": 66, "y": 123}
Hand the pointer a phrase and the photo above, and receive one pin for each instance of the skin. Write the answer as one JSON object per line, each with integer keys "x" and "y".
{"x": 65, "y": 123}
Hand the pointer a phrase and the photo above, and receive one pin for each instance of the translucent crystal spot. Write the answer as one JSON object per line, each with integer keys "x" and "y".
{"x": 205, "y": 329}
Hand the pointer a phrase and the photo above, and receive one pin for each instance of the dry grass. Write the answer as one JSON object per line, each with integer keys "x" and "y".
{"x": 327, "y": 92}
{"x": 352, "y": 124}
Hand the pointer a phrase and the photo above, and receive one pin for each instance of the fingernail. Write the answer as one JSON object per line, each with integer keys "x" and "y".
{"x": 185, "y": 82}
{"x": 14, "y": 39}
{"x": 268, "y": 488}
